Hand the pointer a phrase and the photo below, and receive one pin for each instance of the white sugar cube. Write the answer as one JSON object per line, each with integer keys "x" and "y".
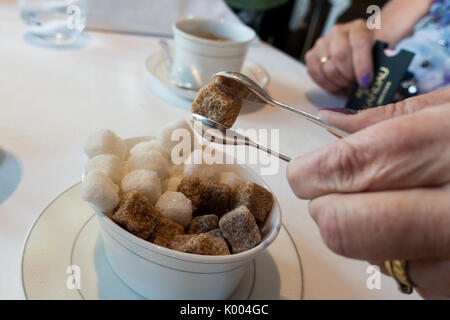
{"x": 109, "y": 164}
{"x": 105, "y": 142}
{"x": 230, "y": 178}
{"x": 151, "y": 160}
{"x": 176, "y": 207}
{"x": 99, "y": 190}
{"x": 151, "y": 145}
{"x": 177, "y": 134}
{"x": 143, "y": 181}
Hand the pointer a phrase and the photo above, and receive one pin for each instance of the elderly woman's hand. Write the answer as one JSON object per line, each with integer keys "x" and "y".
{"x": 348, "y": 48}
{"x": 383, "y": 192}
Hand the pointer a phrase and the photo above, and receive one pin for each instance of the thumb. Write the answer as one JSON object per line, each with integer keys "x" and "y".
{"x": 368, "y": 117}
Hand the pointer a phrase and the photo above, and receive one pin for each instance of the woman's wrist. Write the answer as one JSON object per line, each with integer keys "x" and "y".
{"x": 398, "y": 18}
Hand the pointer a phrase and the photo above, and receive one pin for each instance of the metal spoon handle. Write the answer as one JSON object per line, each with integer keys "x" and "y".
{"x": 260, "y": 146}
{"x": 338, "y": 132}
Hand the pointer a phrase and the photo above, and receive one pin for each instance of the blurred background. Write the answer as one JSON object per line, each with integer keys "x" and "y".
{"x": 289, "y": 25}
{"x": 294, "y": 25}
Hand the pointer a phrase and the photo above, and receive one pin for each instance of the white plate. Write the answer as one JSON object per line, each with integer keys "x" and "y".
{"x": 157, "y": 76}
{"x": 67, "y": 233}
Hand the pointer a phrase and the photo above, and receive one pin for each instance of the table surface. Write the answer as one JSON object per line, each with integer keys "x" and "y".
{"x": 51, "y": 99}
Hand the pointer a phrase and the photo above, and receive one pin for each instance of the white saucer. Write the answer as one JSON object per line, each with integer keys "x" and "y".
{"x": 67, "y": 233}
{"x": 157, "y": 76}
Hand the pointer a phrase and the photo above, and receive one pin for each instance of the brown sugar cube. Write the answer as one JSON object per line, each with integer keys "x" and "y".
{"x": 256, "y": 198}
{"x": 190, "y": 187}
{"x": 179, "y": 242}
{"x": 219, "y": 244}
{"x": 237, "y": 89}
{"x": 136, "y": 214}
{"x": 165, "y": 231}
{"x": 217, "y": 102}
{"x": 203, "y": 223}
{"x": 216, "y": 198}
{"x": 240, "y": 229}
{"x": 203, "y": 243}
{"x": 215, "y": 233}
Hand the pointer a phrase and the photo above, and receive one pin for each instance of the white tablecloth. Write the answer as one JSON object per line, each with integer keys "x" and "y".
{"x": 52, "y": 99}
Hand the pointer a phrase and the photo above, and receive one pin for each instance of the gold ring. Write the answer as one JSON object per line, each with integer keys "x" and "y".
{"x": 324, "y": 60}
{"x": 398, "y": 270}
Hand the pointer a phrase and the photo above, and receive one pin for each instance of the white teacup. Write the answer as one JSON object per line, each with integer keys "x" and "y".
{"x": 204, "y": 47}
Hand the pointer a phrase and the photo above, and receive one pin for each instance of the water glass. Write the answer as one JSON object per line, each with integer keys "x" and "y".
{"x": 54, "y": 21}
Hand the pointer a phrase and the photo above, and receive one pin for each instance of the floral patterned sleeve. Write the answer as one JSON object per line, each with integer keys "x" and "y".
{"x": 431, "y": 44}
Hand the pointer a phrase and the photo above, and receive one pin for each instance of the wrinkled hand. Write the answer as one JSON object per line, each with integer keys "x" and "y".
{"x": 384, "y": 192}
{"x": 349, "y": 48}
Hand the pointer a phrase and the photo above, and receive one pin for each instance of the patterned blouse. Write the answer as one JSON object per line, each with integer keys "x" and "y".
{"x": 431, "y": 44}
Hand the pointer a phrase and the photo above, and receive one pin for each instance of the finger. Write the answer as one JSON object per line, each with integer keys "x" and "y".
{"x": 405, "y": 152}
{"x": 341, "y": 52}
{"x": 429, "y": 277}
{"x": 406, "y": 224}
{"x": 361, "y": 41}
{"x": 314, "y": 69}
{"x": 335, "y": 76}
{"x": 365, "y": 118}
{"x": 328, "y": 68}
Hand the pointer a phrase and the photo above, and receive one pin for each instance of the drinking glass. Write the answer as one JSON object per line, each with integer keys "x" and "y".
{"x": 54, "y": 21}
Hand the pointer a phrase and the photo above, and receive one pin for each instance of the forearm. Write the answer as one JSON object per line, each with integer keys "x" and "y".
{"x": 398, "y": 18}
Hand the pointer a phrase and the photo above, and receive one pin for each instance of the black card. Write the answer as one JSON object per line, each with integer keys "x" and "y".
{"x": 388, "y": 73}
